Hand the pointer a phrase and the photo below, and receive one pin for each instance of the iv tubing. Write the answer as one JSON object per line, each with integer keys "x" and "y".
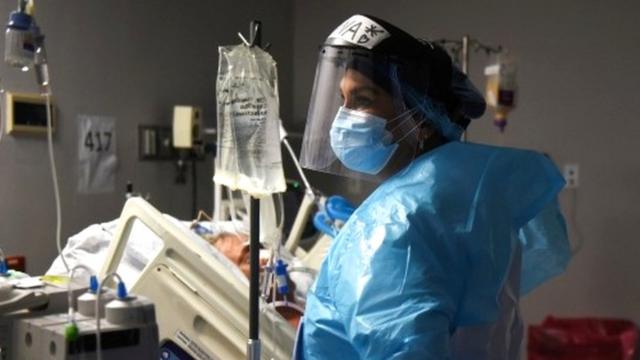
{"x": 71, "y": 273}
{"x": 97, "y": 312}
{"x": 54, "y": 177}
{"x": 297, "y": 164}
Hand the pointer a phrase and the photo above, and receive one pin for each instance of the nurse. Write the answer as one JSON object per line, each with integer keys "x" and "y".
{"x": 432, "y": 264}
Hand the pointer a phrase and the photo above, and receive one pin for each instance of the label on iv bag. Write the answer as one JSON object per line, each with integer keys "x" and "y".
{"x": 97, "y": 160}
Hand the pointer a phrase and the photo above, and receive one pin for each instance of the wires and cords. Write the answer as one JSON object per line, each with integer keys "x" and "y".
{"x": 294, "y": 158}
{"x": 576, "y": 246}
{"x": 4, "y": 268}
{"x": 121, "y": 294}
{"x": 54, "y": 177}
{"x": 71, "y": 330}
{"x": 275, "y": 282}
{"x": 281, "y": 220}
{"x": 194, "y": 187}
{"x": 303, "y": 269}
{"x": 288, "y": 304}
{"x": 273, "y": 301}
{"x": 232, "y": 205}
{"x": 1, "y": 124}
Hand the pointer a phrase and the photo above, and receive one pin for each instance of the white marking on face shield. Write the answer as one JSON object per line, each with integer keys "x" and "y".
{"x": 362, "y": 31}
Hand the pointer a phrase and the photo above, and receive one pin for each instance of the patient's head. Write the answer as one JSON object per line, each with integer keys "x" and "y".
{"x": 234, "y": 246}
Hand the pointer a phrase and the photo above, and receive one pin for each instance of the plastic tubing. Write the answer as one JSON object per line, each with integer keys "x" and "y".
{"x": 54, "y": 177}
{"x": 97, "y": 312}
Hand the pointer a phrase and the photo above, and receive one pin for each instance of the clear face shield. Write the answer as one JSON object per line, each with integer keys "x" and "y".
{"x": 359, "y": 124}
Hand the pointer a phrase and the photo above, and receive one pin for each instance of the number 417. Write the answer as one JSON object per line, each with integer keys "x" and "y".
{"x": 101, "y": 143}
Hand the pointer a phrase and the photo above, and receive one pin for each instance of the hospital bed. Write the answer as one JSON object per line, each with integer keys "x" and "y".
{"x": 201, "y": 297}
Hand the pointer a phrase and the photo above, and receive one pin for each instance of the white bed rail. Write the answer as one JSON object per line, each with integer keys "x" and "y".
{"x": 201, "y": 298}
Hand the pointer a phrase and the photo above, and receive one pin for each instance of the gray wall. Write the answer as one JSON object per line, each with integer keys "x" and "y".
{"x": 135, "y": 59}
{"x": 132, "y": 60}
{"x": 578, "y": 72}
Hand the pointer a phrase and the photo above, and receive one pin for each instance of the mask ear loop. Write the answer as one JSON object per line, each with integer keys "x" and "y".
{"x": 410, "y": 131}
{"x": 437, "y": 116}
{"x": 406, "y": 115}
{"x": 396, "y": 90}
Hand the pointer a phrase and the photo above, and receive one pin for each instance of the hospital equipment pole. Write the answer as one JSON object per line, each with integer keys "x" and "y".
{"x": 465, "y": 54}
{"x": 465, "y": 67}
{"x": 253, "y": 345}
{"x": 460, "y": 52}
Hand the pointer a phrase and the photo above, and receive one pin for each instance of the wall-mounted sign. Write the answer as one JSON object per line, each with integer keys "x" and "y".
{"x": 96, "y": 154}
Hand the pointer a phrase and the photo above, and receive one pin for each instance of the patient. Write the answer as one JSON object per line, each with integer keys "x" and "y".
{"x": 236, "y": 248}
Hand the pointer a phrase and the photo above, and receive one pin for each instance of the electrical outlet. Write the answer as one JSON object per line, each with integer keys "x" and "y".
{"x": 571, "y": 175}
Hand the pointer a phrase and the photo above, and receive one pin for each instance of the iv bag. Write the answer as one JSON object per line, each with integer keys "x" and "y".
{"x": 248, "y": 156}
{"x": 501, "y": 87}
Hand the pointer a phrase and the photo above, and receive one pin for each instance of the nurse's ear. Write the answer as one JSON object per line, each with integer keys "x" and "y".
{"x": 428, "y": 138}
{"x": 425, "y": 132}
{"x": 458, "y": 116}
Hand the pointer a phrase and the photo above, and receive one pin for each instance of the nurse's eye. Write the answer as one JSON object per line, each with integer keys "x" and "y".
{"x": 362, "y": 102}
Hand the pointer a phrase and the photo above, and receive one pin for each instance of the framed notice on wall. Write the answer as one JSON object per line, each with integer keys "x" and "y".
{"x": 27, "y": 113}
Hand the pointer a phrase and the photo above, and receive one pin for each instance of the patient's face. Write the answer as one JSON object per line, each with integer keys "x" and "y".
{"x": 235, "y": 247}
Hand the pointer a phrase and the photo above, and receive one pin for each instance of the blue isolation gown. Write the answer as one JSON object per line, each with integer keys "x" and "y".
{"x": 433, "y": 259}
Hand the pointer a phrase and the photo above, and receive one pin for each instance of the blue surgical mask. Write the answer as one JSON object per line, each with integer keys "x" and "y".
{"x": 361, "y": 141}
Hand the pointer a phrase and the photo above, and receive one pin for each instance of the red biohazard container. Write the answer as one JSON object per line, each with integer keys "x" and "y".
{"x": 16, "y": 263}
{"x": 583, "y": 339}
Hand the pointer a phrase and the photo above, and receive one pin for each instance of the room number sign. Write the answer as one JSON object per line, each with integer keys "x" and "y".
{"x": 97, "y": 159}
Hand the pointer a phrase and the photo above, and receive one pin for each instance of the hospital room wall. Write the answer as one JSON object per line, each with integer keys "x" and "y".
{"x": 578, "y": 81}
{"x": 132, "y": 60}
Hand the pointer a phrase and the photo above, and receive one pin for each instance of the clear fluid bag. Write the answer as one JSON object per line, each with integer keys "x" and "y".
{"x": 249, "y": 156}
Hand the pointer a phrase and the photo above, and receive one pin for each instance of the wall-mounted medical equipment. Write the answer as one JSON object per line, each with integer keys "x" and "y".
{"x": 187, "y": 125}
{"x": 155, "y": 142}
{"x": 26, "y": 113}
{"x": 187, "y": 139}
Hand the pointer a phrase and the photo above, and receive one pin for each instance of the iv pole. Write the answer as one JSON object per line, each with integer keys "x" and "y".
{"x": 460, "y": 51}
{"x": 253, "y": 344}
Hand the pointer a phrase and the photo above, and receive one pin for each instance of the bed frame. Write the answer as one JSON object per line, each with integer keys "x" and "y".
{"x": 201, "y": 298}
